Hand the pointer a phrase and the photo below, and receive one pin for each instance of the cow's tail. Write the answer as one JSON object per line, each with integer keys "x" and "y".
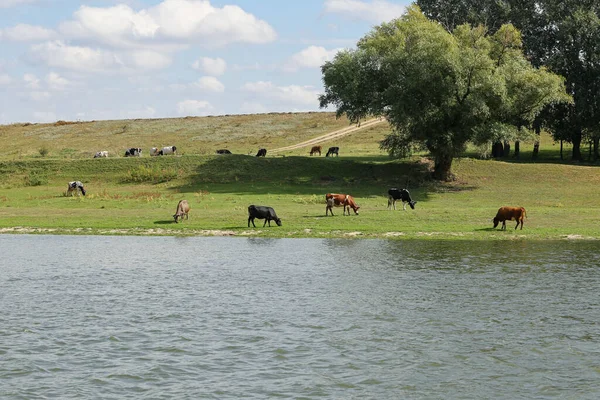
{"x": 524, "y": 213}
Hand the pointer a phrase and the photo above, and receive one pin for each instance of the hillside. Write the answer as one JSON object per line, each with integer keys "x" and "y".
{"x": 139, "y": 195}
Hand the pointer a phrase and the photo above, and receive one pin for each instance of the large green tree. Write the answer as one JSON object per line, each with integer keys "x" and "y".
{"x": 563, "y": 35}
{"x": 439, "y": 90}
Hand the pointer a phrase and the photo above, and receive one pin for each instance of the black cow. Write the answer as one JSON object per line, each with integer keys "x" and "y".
{"x": 332, "y": 151}
{"x": 262, "y": 212}
{"x": 223, "y": 151}
{"x": 261, "y": 153}
{"x": 133, "y": 152}
{"x": 400, "y": 194}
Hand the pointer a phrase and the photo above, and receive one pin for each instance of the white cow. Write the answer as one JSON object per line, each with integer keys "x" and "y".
{"x": 154, "y": 151}
{"x": 101, "y": 154}
{"x": 167, "y": 150}
{"x": 76, "y": 187}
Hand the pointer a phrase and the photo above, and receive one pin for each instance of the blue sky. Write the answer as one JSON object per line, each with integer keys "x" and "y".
{"x": 123, "y": 59}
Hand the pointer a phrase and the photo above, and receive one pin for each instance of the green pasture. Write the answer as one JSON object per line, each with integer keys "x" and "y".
{"x": 139, "y": 195}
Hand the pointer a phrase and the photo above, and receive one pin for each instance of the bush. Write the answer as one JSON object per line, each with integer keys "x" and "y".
{"x": 43, "y": 151}
{"x": 143, "y": 174}
{"x": 36, "y": 179}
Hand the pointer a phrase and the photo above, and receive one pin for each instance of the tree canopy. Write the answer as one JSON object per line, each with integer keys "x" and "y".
{"x": 439, "y": 90}
{"x": 563, "y": 35}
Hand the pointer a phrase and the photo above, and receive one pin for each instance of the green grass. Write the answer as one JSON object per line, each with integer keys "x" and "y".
{"x": 139, "y": 195}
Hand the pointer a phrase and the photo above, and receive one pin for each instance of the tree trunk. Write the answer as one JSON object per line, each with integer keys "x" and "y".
{"x": 577, "y": 145}
{"x": 517, "y": 149}
{"x": 596, "y": 151}
{"x": 497, "y": 150}
{"x": 561, "y": 150}
{"x": 506, "y": 149}
{"x": 442, "y": 166}
{"x": 536, "y": 145}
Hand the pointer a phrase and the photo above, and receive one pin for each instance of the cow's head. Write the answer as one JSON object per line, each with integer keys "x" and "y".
{"x": 496, "y": 220}
{"x": 278, "y": 221}
{"x": 412, "y": 204}
{"x": 176, "y": 216}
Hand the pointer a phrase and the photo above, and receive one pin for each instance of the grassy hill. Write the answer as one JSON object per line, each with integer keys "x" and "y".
{"x": 139, "y": 195}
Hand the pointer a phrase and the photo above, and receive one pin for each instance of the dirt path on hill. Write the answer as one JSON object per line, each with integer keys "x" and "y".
{"x": 331, "y": 135}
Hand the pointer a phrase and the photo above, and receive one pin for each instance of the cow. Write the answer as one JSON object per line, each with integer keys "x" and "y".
{"x": 167, "y": 150}
{"x": 508, "y": 214}
{"x": 395, "y": 194}
{"x": 76, "y": 187}
{"x": 339, "y": 200}
{"x": 223, "y": 151}
{"x": 316, "y": 149}
{"x": 154, "y": 151}
{"x": 101, "y": 154}
{"x": 133, "y": 152}
{"x": 262, "y": 212}
{"x": 183, "y": 209}
{"x": 261, "y": 153}
{"x": 332, "y": 151}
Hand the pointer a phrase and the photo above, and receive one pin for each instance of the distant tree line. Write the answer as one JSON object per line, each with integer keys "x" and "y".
{"x": 562, "y": 35}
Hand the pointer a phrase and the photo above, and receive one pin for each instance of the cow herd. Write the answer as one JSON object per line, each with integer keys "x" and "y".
{"x": 331, "y": 199}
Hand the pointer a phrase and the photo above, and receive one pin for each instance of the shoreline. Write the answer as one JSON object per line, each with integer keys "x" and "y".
{"x": 304, "y": 234}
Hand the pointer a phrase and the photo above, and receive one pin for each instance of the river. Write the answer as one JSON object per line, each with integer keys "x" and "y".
{"x": 229, "y": 318}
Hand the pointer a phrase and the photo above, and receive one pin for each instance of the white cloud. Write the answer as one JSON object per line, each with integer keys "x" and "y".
{"x": 171, "y": 22}
{"x": 311, "y": 57}
{"x": 376, "y": 11}
{"x": 210, "y": 84}
{"x": 147, "y": 59}
{"x": 194, "y": 107}
{"x": 5, "y": 79}
{"x": 31, "y": 81}
{"x": 57, "y": 82}
{"x": 210, "y": 66}
{"x": 26, "y": 33}
{"x": 57, "y": 54}
{"x": 44, "y": 116}
{"x": 294, "y": 94}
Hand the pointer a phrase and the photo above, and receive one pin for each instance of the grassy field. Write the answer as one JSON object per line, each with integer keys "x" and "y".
{"x": 139, "y": 195}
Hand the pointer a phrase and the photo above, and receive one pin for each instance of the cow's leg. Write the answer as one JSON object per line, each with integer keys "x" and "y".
{"x": 403, "y": 205}
{"x": 250, "y": 219}
{"x": 503, "y": 225}
{"x": 266, "y": 219}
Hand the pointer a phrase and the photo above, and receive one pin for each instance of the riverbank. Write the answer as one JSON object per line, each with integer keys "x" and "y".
{"x": 138, "y": 196}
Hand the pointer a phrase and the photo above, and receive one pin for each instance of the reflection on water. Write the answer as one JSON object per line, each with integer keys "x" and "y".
{"x": 131, "y": 317}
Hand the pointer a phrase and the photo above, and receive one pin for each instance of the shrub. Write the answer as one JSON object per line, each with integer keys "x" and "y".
{"x": 143, "y": 174}
{"x": 43, "y": 151}
{"x": 36, "y": 179}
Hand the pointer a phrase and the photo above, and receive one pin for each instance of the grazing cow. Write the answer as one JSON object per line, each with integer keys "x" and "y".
{"x": 508, "y": 214}
{"x": 339, "y": 200}
{"x": 223, "y": 151}
{"x": 183, "y": 209}
{"x": 395, "y": 194}
{"x": 76, "y": 187}
{"x": 101, "y": 154}
{"x": 316, "y": 149}
{"x": 167, "y": 150}
{"x": 133, "y": 152}
{"x": 154, "y": 151}
{"x": 262, "y": 212}
{"x": 332, "y": 151}
{"x": 261, "y": 153}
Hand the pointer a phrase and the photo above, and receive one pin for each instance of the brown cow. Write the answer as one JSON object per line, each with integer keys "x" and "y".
{"x": 508, "y": 214}
{"x": 316, "y": 149}
{"x": 338, "y": 200}
{"x": 183, "y": 209}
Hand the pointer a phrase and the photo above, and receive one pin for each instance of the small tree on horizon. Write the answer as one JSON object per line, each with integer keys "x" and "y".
{"x": 439, "y": 90}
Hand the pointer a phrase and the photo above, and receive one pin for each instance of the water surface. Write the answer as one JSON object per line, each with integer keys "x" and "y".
{"x": 230, "y": 318}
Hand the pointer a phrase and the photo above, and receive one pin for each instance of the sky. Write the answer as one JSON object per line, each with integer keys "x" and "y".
{"x": 126, "y": 59}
